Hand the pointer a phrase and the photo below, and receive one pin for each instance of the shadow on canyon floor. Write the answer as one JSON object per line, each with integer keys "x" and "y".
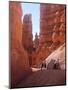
{"x": 44, "y": 78}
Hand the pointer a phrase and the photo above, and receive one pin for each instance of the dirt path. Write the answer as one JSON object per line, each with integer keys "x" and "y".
{"x": 44, "y": 78}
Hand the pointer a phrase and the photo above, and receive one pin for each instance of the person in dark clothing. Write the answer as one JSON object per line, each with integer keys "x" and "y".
{"x": 56, "y": 66}
{"x": 43, "y": 65}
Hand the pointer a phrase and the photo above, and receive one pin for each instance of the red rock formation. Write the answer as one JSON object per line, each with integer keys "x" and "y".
{"x": 19, "y": 64}
{"x": 27, "y": 30}
{"x": 27, "y": 35}
{"x": 50, "y": 16}
{"x": 35, "y": 47}
{"x": 41, "y": 54}
{"x": 52, "y": 29}
{"x": 58, "y": 36}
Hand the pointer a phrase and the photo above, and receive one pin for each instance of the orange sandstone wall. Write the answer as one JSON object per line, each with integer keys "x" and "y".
{"x": 27, "y": 32}
{"x": 27, "y": 36}
{"x": 19, "y": 63}
{"x": 50, "y": 15}
{"x": 52, "y": 19}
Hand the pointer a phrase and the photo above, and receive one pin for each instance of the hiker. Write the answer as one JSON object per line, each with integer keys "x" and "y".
{"x": 43, "y": 65}
{"x": 56, "y": 65}
{"x": 51, "y": 64}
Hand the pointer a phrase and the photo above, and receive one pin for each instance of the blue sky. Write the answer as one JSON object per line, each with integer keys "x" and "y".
{"x": 34, "y": 9}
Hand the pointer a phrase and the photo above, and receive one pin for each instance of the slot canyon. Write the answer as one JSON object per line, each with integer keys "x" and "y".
{"x": 27, "y": 55}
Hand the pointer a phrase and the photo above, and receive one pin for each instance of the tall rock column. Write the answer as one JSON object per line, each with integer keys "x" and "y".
{"x": 27, "y": 35}
{"x": 19, "y": 64}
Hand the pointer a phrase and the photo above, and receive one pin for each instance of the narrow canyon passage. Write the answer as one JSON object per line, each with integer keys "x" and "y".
{"x": 46, "y": 76}
{"x": 30, "y": 50}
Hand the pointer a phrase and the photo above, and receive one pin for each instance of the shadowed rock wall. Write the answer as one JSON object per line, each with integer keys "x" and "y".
{"x": 19, "y": 63}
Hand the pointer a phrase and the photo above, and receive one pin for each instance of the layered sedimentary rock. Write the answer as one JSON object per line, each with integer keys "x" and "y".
{"x": 27, "y": 35}
{"x": 52, "y": 29}
{"x": 19, "y": 58}
{"x": 51, "y": 16}
{"x": 58, "y": 35}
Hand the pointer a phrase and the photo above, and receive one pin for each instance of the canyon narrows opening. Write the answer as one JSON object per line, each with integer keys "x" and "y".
{"x": 38, "y": 44}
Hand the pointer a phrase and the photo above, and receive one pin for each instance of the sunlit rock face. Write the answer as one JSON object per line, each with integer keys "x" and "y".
{"x": 58, "y": 56}
{"x": 52, "y": 29}
{"x": 19, "y": 57}
{"x": 51, "y": 18}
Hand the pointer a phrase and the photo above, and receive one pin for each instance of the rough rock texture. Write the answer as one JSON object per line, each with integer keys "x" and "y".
{"x": 41, "y": 54}
{"x": 52, "y": 29}
{"x": 50, "y": 16}
{"x": 19, "y": 63}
